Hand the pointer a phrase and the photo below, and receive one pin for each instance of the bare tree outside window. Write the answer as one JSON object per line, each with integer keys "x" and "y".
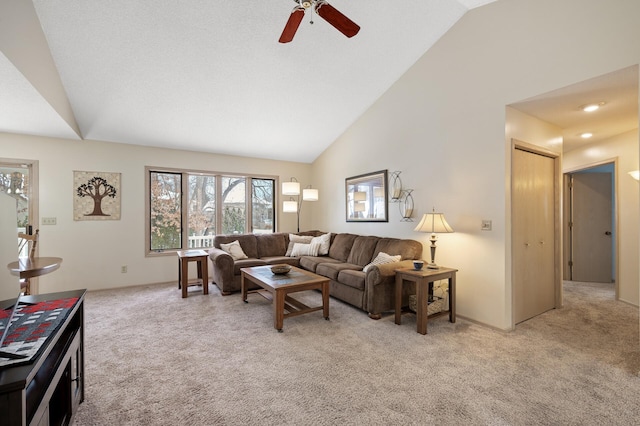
{"x": 201, "y": 216}
{"x": 202, "y": 210}
{"x": 166, "y": 211}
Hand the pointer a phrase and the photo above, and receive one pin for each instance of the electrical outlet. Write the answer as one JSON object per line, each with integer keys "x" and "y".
{"x": 123, "y": 269}
{"x": 486, "y": 225}
{"x": 48, "y": 220}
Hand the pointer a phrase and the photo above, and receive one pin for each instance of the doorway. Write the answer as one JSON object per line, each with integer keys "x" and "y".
{"x": 590, "y": 224}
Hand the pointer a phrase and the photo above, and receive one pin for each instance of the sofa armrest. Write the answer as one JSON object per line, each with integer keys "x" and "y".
{"x": 222, "y": 271}
{"x": 380, "y": 282}
{"x": 379, "y": 274}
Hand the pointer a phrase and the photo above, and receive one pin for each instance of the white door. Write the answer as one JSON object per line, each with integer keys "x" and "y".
{"x": 591, "y": 227}
{"x": 533, "y": 220}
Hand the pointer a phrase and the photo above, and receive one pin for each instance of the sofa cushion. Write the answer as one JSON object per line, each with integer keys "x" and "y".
{"x": 408, "y": 249}
{"x": 341, "y": 246}
{"x": 331, "y": 269}
{"x": 352, "y": 278}
{"x": 246, "y": 263}
{"x": 234, "y": 249}
{"x": 271, "y": 245}
{"x": 363, "y": 250}
{"x": 276, "y": 260}
{"x": 247, "y": 242}
{"x": 310, "y": 263}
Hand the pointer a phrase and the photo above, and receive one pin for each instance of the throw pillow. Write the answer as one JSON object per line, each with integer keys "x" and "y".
{"x": 301, "y": 249}
{"x": 293, "y": 238}
{"x": 324, "y": 241}
{"x": 381, "y": 259}
{"x": 234, "y": 250}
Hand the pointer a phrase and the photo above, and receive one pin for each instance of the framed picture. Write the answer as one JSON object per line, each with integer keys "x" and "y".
{"x": 366, "y": 197}
{"x": 96, "y": 196}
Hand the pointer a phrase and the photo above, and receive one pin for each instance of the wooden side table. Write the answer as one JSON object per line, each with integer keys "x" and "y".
{"x": 27, "y": 268}
{"x": 424, "y": 278}
{"x": 199, "y": 256}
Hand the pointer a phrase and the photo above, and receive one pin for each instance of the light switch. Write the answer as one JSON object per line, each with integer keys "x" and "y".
{"x": 486, "y": 225}
{"x": 48, "y": 220}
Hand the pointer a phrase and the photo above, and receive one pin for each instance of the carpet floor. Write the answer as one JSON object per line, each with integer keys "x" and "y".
{"x": 153, "y": 358}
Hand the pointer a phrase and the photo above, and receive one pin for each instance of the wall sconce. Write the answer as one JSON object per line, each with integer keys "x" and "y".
{"x": 294, "y": 205}
{"x": 406, "y": 205}
{"x": 395, "y": 187}
{"x": 434, "y": 223}
{"x": 635, "y": 174}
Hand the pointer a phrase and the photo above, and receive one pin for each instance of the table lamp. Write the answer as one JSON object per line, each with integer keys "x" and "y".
{"x": 434, "y": 223}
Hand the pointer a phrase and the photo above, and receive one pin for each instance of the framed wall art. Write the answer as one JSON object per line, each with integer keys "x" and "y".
{"x": 96, "y": 195}
{"x": 366, "y": 197}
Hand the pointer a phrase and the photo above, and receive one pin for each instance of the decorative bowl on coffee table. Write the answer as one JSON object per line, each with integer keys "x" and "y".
{"x": 280, "y": 269}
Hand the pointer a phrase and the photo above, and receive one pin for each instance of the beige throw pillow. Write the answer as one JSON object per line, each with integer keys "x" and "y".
{"x": 381, "y": 259}
{"x": 234, "y": 250}
{"x": 293, "y": 238}
{"x": 300, "y": 249}
{"x": 323, "y": 240}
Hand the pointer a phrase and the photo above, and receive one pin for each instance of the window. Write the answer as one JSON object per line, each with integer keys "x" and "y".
{"x": 204, "y": 204}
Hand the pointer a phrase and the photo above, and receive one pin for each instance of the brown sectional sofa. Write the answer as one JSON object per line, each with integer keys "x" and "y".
{"x": 372, "y": 291}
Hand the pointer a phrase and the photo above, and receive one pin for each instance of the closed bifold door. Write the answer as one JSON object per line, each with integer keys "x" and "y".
{"x": 533, "y": 219}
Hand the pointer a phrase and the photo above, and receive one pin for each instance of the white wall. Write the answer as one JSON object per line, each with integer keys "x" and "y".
{"x": 624, "y": 149}
{"x": 443, "y": 125}
{"x": 94, "y": 251}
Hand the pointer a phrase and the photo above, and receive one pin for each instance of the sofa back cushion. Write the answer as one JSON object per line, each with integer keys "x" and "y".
{"x": 341, "y": 245}
{"x": 363, "y": 250}
{"x": 408, "y": 249}
{"x": 270, "y": 245}
{"x": 247, "y": 242}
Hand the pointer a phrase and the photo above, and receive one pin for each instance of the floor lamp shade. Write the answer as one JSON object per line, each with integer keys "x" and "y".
{"x": 291, "y": 188}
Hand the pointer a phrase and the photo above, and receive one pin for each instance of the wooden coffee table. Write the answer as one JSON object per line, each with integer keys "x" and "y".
{"x": 278, "y": 287}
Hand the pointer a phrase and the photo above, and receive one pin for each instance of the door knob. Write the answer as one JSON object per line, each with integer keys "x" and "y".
{"x": 607, "y": 233}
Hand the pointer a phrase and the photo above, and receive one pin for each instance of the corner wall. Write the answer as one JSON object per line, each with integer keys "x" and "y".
{"x": 94, "y": 251}
{"x": 443, "y": 125}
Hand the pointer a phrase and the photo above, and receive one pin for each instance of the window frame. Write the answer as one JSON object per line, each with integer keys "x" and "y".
{"x": 185, "y": 173}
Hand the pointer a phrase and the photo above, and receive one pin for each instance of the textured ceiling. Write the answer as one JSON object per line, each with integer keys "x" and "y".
{"x": 211, "y": 76}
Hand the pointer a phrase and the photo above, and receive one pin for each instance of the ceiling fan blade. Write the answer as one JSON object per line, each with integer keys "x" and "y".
{"x": 330, "y": 14}
{"x": 292, "y": 24}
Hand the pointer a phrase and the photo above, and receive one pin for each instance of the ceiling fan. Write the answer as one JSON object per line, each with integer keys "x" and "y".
{"x": 329, "y": 13}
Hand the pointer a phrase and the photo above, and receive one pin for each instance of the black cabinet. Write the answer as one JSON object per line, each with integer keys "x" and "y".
{"x": 48, "y": 389}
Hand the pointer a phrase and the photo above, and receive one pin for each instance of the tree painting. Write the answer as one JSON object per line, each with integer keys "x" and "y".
{"x": 97, "y": 188}
{"x": 96, "y": 195}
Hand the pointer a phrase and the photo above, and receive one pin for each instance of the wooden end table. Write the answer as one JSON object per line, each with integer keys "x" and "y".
{"x": 199, "y": 256}
{"x": 278, "y": 287}
{"x": 424, "y": 279}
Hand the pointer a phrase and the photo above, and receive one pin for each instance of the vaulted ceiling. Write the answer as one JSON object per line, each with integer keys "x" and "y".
{"x": 205, "y": 75}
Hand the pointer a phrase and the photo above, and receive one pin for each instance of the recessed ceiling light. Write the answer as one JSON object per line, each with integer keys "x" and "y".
{"x": 586, "y": 135}
{"x": 591, "y": 107}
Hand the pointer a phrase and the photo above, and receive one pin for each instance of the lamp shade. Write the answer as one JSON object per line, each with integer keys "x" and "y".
{"x": 434, "y": 223}
{"x": 291, "y": 188}
{"x": 635, "y": 174}
{"x": 359, "y": 206}
{"x": 310, "y": 194}
{"x": 289, "y": 206}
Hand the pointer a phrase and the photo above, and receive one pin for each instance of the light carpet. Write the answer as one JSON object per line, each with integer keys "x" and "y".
{"x": 153, "y": 358}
